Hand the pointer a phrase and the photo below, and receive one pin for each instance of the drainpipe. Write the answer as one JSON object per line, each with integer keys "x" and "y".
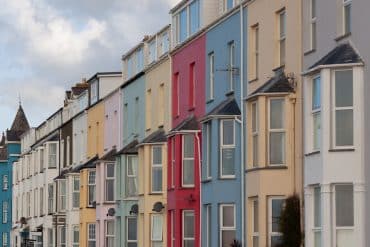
{"x": 200, "y": 190}
{"x": 242, "y": 123}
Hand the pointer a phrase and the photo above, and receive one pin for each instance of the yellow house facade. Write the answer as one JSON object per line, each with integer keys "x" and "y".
{"x": 152, "y": 151}
{"x": 95, "y": 149}
{"x": 273, "y": 132}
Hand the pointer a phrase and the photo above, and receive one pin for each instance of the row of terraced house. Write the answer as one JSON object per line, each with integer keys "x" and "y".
{"x": 212, "y": 123}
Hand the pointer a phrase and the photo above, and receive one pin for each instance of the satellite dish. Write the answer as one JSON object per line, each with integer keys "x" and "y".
{"x": 134, "y": 209}
{"x": 157, "y": 207}
{"x": 111, "y": 212}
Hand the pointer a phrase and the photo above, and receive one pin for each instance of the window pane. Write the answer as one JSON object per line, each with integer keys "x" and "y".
{"x": 282, "y": 51}
{"x": 347, "y": 19}
{"x": 255, "y": 151}
{"x": 343, "y": 88}
{"x": 110, "y": 170}
{"x": 131, "y": 166}
{"x": 189, "y": 224}
{"x": 276, "y": 207}
{"x": 157, "y": 223}
{"x": 277, "y": 148}
{"x": 157, "y": 179}
{"x": 316, "y": 130}
{"x": 110, "y": 190}
{"x": 189, "y": 243}
{"x": 188, "y": 176}
{"x": 194, "y": 17}
{"x": 317, "y": 207}
{"x": 316, "y": 93}
{"x": 344, "y": 127}
{"x": 282, "y": 24}
{"x": 344, "y": 205}
{"x": 228, "y": 161}
{"x": 317, "y": 239}
{"x": 255, "y": 241}
{"x": 131, "y": 229}
{"x": 276, "y": 241}
{"x": 157, "y": 155}
{"x": 228, "y": 238}
{"x": 183, "y": 25}
{"x": 313, "y": 8}
{"x": 228, "y": 216}
{"x": 228, "y": 132}
{"x": 131, "y": 186}
{"x": 255, "y": 216}
{"x": 254, "y": 117}
{"x": 277, "y": 114}
{"x": 188, "y": 146}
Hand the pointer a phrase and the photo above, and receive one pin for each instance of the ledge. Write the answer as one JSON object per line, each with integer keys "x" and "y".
{"x": 343, "y": 36}
{"x": 155, "y": 193}
{"x": 312, "y": 153}
{"x": 209, "y": 101}
{"x": 253, "y": 80}
{"x": 309, "y": 52}
{"x": 342, "y": 150}
{"x": 207, "y": 180}
{"x": 229, "y": 93}
{"x": 266, "y": 168}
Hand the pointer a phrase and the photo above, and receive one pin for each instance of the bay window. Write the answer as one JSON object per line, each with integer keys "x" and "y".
{"x": 188, "y": 232}
{"x": 255, "y": 134}
{"x": 157, "y": 230}
{"x": 62, "y": 195}
{"x": 76, "y": 192}
{"x": 157, "y": 164}
{"x": 317, "y": 216}
{"x": 227, "y": 224}
{"x": 109, "y": 182}
{"x": 188, "y": 160}
{"x": 344, "y": 214}
{"x": 227, "y": 149}
{"x": 343, "y": 108}
{"x": 276, "y": 132}
{"x": 131, "y": 176}
{"x": 91, "y": 235}
{"x": 275, "y": 207}
{"x": 131, "y": 235}
{"x": 316, "y": 112}
{"x": 109, "y": 233}
{"x": 91, "y": 187}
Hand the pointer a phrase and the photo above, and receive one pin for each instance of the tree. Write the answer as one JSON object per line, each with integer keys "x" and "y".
{"x": 290, "y": 223}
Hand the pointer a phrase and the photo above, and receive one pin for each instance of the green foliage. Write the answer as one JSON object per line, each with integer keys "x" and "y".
{"x": 290, "y": 223}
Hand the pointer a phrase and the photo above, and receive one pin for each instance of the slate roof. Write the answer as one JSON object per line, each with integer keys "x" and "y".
{"x": 156, "y": 137}
{"x": 62, "y": 175}
{"x": 228, "y": 107}
{"x": 277, "y": 84}
{"x": 2, "y": 142}
{"x": 189, "y": 123}
{"x": 109, "y": 156}
{"x": 88, "y": 164}
{"x": 130, "y": 148}
{"x": 341, "y": 54}
{"x": 19, "y": 126}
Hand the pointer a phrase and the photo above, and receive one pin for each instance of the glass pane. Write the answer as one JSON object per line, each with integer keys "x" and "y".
{"x": 110, "y": 170}
{"x": 254, "y": 117}
{"x": 277, "y": 148}
{"x": 110, "y": 242}
{"x": 313, "y": 8}
{"x": 276, "y": 241}
{"x": 188, "y": 146}
{"x": 227, "y": 238}
{"x": 317, "y": 207}
{"x": 344, "y": 205}
{"x": 131, "y": 229}
{"x": 157, "y": 179}
{"x": 282, "y": 24}
{"x": 277, "y": 114}
{"x": 157, "y": 155}
{"x": 183, "y": 25}
{"x": 316, "y": 130}
{"x": 255, "y": 151}
{"x": 189, "y": 243}
{"x": 347, "y": 19}
{"x": 228, "y": 132}
{"x": 345, "y": 238}
{"x": 228, "y": 161}
{"x": 131, "y": 186}
{"x": 255, "y": 216}
{"x": 157, "y": 227}
{"x": 282, "y": 51}
{"x": 316, "y": 93}
{"x": 317, "y": 239}
{"x": 344, "y": 127}
{"x": 188, "y": 172}
{"x": 230, "y": 4}
{"x": 189, "y": 224}
{"x": 255, "y": 241}
{"x": 131, "y": 244}
{"x": 110, "y": 190}
{"x": 276, "y": 207}
{"x": 343, "y": 88}
{"x": 313, "y": 34}
{"x": 194, "y": 17}
{"x": 228, "y": 216}
{"x": 131, "y": 166}
{"x": 110, "y": 227}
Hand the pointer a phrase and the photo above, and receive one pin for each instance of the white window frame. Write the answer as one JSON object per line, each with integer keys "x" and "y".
{"x": 270, "y": 232}
{"x": 255, "y": 232}
{"x": 61, "y": 242}
{"x": 107, "y": 235}
{"x": 282, "y": 37}
{"x": 188, "y": 159}
{"x": 232, "y": 54}
{"x": 165, "y": 43}
{"x": 90, "y": 185}
{"x": 35, "y": 201}
{"x": 208, "y": 214}
{"x": 152, "y": 56}
{"x": 5, "y": 239}
{"x": 157, "y": 241}
{"x": 90, "y": 238}
{"x": 226, "y": 146}
{"x": 5, "y": 211}
{"x": 256, "y": 36}
{"x": 75, "y": 192}
{"x": 156, "y": 167}
{"x": 127, "y": 240}
{"x": 211, "y": 59}
{"x": 346, "y": 3}
{"x": 132, "y": 176}
{"x": 42, "y": 159}
{"x": 255, "y": 146}
{"x": 316, "y": 229}
{"x": 109, "y": 179}
{"x": 5, "y": 182}
{"x": 75, "y": 228}
{"x": 50, "y": 235}
{"x": 41, "y": 201}
{"x": 173, "y": 161}
{"x": 313, "y": 24}
{"x": 315, "y": 113}
{"x": 225, "y": 9}
{"x": 183, "y": 228}
{"x": 50, "y": 165}
{"x": 62, "y": 153}
{"x": 277, "y": 130}
{"x": 208, "y": 169}
{"x": 68, "y": 157}
{"x": 226, "y": 228}
{"x": 62, "y": 197}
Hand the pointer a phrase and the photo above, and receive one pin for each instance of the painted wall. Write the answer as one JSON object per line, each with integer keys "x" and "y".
{"x": 95, "y": 130}
{"x": 79, "y": 139}
{"x": 112, "y": 121}
{"x": 107, "y": 84}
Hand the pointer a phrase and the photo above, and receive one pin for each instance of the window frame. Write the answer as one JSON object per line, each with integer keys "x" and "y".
{"x": 5, "y": 182}
{"x": 187, "y": 159}
{"x": 155, "y": 167}
{"x": 255, "y": 132}
{"x": 108, "y": 236}
{"x": 183, "y": 227}
{"x": 316, "y": 229}
{"x": 154, "y": 242}
{"x": 62, "y": 243}
{"x": 208, "y": 210}
{"x": 226, "y": 146}
{"x": 74, "y": 243}
{"x": 106, "y": 179}
{"x": 62, "y": 202}
{"x": 129, "y": 240}
{"x": 173, "y": 161}
{"x": 282, "y": 36}
{"x": 75, "y": 192}
{"x": 313, "y": 24}
{"x": 50, "y": 198}
{"x": 281, "y": 130}
{"x": 346, "y": 3}
{"x": 231, "y": 65}
{"x": 5, "y": 208}
{"x": 223, "y": 228}
{"x": 90, "y": 238}
{"x": 270, "y": 232}
{"x": 211, "y": 64}
{"x": 208, "y": 170}
{"x": 50, "y": 165}
{"x": 133, "y": 176}
{"x": 90, "y": 185}
{"x": 255, "y": 232}
{"x": 5, "y": 239}
{"x": 316, "y": 112}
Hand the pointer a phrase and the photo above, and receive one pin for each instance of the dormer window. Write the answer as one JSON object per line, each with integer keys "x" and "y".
{"x": 93, "y": 92}
{"x": 186, "y": 22}
{"x": 152, "y": 51}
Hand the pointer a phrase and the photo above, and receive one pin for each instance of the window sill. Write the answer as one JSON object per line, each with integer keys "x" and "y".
{"x": 227, "y": 178}
{"x": 209, "y": 101}
{"x": 187, "y": 188}
{"x": 108, "y": 203}
{"x": 312, "y": 153}
{"x": 253, "y": 80}
{"x": 206, "y": 180}
{"x": 342, "y": 150}
{"x": 309, "y": 52}
{"x": 337, "y": 39}
{"x": 282, "y": 66}
{"x": 191, "y": 109}
{"x": 155, "y": 193}
{"x": 266, "y": 168}
{"x": 229, "y": 93}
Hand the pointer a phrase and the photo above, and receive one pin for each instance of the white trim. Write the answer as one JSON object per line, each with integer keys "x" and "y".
{"x": 127, "y": 226}
{"x": 208, "y": 171}
{"x": 89, "y": 238}
{"x": 106, "y": 235}
{"x": 183, "y": 228}
{"x": 226, "y": 146}
{"x": 156, "y": 166}
{"x": 106, "y": 179}
{"x": 90, "y": 184}
{"x": 222, "y": 227}
{"x": 187, "y": 159}
{"x": 283, "y": 130}
{"x": 270, "y": 232}
{"x": 131, "y": 176}
{"x": 316, "y": 112}
{"x": 255, "y": 132}
{"x": 255, "y": 233}
{"x": 211, "y": 60}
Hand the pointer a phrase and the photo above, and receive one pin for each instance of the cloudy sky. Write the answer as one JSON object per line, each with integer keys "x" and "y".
{"x": 48, "y": 45}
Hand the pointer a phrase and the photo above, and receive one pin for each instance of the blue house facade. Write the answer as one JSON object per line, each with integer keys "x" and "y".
{"x": 10, "y": 149}
{"x": 133, "y": 131}
{"x": 221, "y": 189}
